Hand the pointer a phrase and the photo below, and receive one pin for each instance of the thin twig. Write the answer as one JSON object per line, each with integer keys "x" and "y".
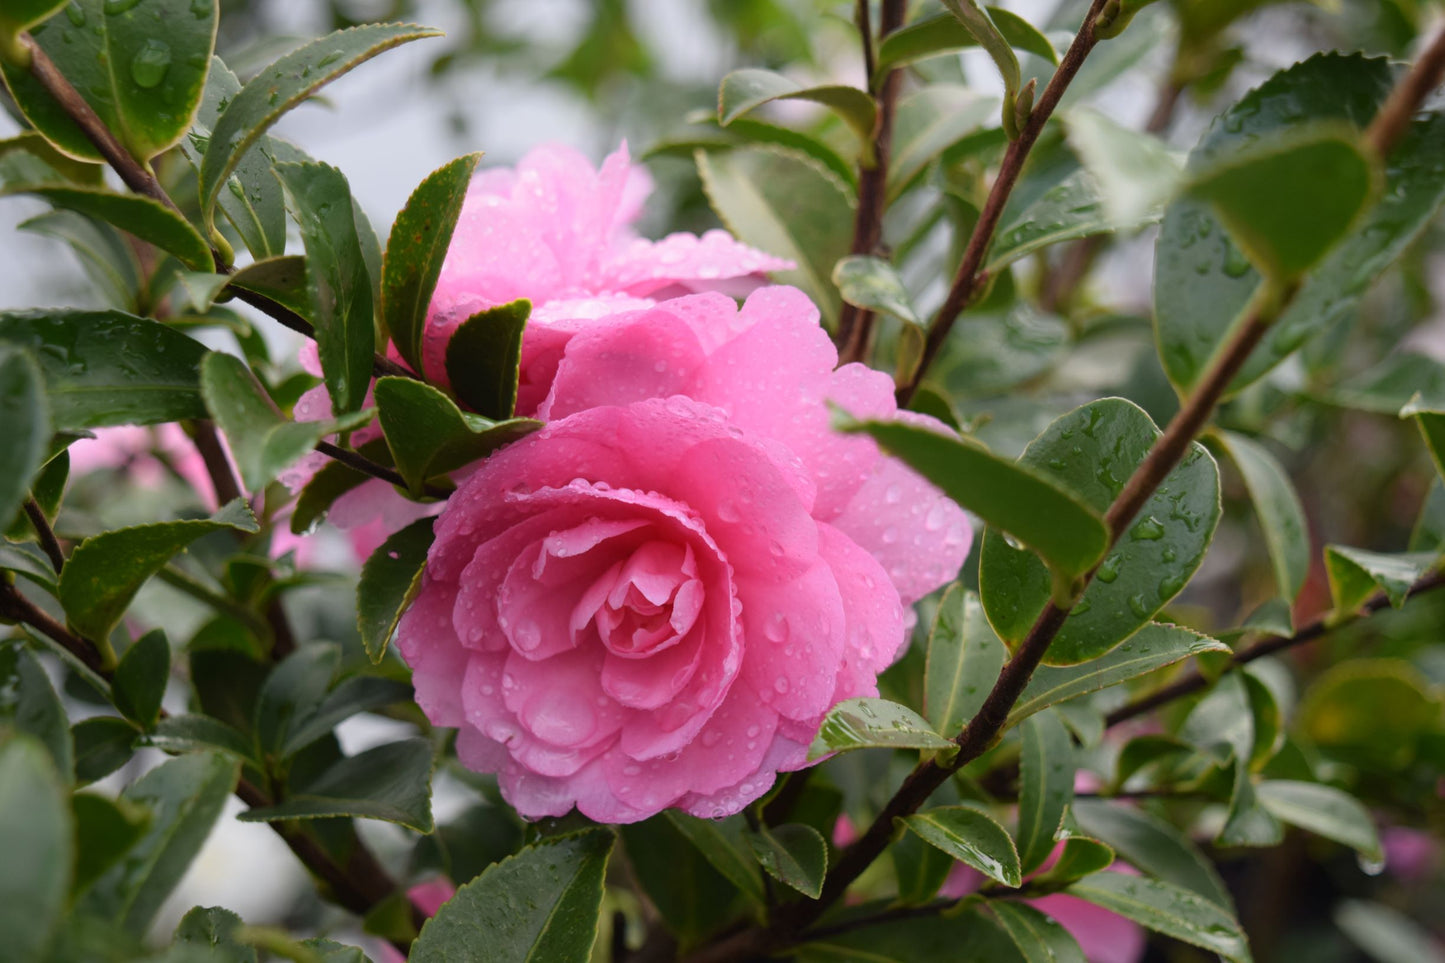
{"x": 1392, "y": 120}
{"x": 184, "y": 582}
{"x": 218, "y": 465}
{"x": 17, "y": 608}
{"x": 366, "y": 466}
{"x": 968, "y": 282}
{"x": 45, "y": 534}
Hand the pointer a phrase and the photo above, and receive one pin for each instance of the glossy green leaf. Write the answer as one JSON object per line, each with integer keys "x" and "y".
{"x": 541, "y": 904}
{"x": 1288, "y": 199}
{"x": 1168, "y": 909}
{"x": 28, "y": 562}
{"x": 263, "y": 442}
{"x": 109, "y": 262}
{"x": 1356, "y": 574}
{"x": 292, "y": 691}
{"x": 744, "y": 90}
{"x": 930, "y": 121}
{"x": 339, "y": 284}
{"x": 874, "y": 724}
{"x": 105, "y": 830}
{"x": 282, "y": 279}
{"x": 102, "y": 745}
{"x": 283, "y": 85}
{"x": 140, "y": 216}
{"x": 189, "y": 733}
{"x": 1136, "y": 174}
{"x": 1053, "y": 521}
{"x": 1231, "y": 718}
{"x": 353, "y": 695}
{"x": 944, "y": 33}
{"x": 972, "y": 838}
{"x": 1372, "y": 711}
{"x": 19, "y": 15}
{"x": 1323, "y": 810}
{"x": 1430, "y": 419}
{"x": 747, "y": 131}
{"x": 140, "y": 67}
{"x": 484, "y": 359}
{"x": 389, "y": 582}
{"x": 415, "y": 251}
{"x": 1278, "y": 508}
{"x": 997, "y": 350}
{"x": 793, "y": 854}
{"x": 1387, "y": 934}
{"x": 1068, "y": 210}
{"x": 36, "y": 838}
{"x": 31, "y": 145}
{"x": 1091, "y": 452}
{"x": 106, "y": 570}
{"x": 391, "y": 782}
{"x": 109, "y": 368}
{"x": 872, "y": 283}
{"x": 789, "y": 206}
{"x": 721, "y": 843}
{"x": 26, "y": 417}
{"x": 1153, "y": 846}
{"x": 28, "y": 704}
{"x": 920, "y": 869}
{"x": 141, "y": 677}
{"x": 1079, "y": 857}
{"x": 1152, "y": 647}
{"x": 429, "y": 435}
{"x": 1046, "y": 786}
{"x": 216, "y": 929}
{"x": 1040, "y": 938}
{"x": 964, "y": 659}
{"x": 1391, "y": 384}
{"x": 928, "y": 939}
{"x": 185, "y": 797}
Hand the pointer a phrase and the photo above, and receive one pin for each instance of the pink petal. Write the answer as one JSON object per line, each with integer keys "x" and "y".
{"x": 1104, "y": 937}
{"x": 783, "y": 755}
{"x": 644, "y": 267}
{"x": 429, "y": 644}
{"x": 795, "y": 635}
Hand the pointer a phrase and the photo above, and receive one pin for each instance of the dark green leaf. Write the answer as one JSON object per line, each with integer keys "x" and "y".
{"x": 185, "y": 796}
{"x": 1046, "y": 772}
{"x": 542, "y": 904}
{"x": 996, "y": 350}
{"x": 1040, "y": 938}
{"x": 1168, "y": 909}
{"x": 1152, "y": 845}
{"x": 415, "y": 251}
{"x": 216, "y": 929}
{"x": 793, "y": 854}
{"x": 19, "y": 15}
{"x": 1430, "y": 419}
{"x": 26, "y": 438}
{"x": 390, "y": 782}
{"x": 744, "y": 90}
{"x": 36, "y": 838}
{"x": 357, "y": 694}
{"x": 1056, "y": 523}
{"x": 964, "y": 659}
{"x": 281, "y": 279}
{"x": 29, "y": 562}
{"x": 692, "y": 898}
{"x": 389, "y": 582}
{"x": 874, "y": 724}
{"x": 292, "y": 692}
{"x": 1356, "y": 574}
{"x": 140, "y": 216}
{"x": 1071, "y": 209}
{"x": 1281, "y": 516}
{"x": 920, "y": 869}
{"x": 108, "y": 368}
{"x": 721, "y": 843}
{"x": 978, "y": 23}
{"x": 484, "y": 357}
{"x": 1079, "y": 857}
{"x": 970, "y": 837}
{"x": 189, "y": 733}
{"x": 106, "y": 570}
{"x": 429, "y": 435}
{"x": 944, "y": 33}
{"x": 283, "y": 85}
{"x": 1324, "y": 810}
{"x": 105, "y": 830}
{"x": 969, "y": 935}
{"x": 872, "y": 283}
{"x": 141, "y": 677}
{"x": 1427, "y": 536}
{"x": 28, "y": 704}
{"x": 102, "y": 745}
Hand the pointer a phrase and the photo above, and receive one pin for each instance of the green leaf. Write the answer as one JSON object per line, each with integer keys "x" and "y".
{"x": 930, "y": 939}
{"x": 189, "y": 733}
{"x": 389, "y": 582}
{"x": 744, "y": 90}
{"x": 102, "y": 745}
{"x": 28, "y": 704}
{"x": 25, "y": 442}
{"x": 964, "y": 659}
{"x": 1153, "y": 846}
{"x": 874, "y": 724}
{"x": 106, "y": 570}
{"x": 216, "y": 929}
{"x": 872, "y": 283}
{"x": 978, "y": 23}
{"x": 1371, "y": 711}
{"x": 390, "y": 782}
{"x": 19, "y": 15}
{"x": 282, "y": 279}
{"x": 1092, "y": 451}
{"x": 1387, "y": 934}
{"x": 28, "y": 562}
{"x": 920, "y": 869}
{"x": 415, "y": 251}
{"x": 1323, "y": 810}
{"x": 31, "y": 145}
{"x": 331, "y": 481}
{"x": 693, "y": 899}
{"x": 141, "y": 68}
{"x": 142, "y": 217}
{"x": 944, "y": 33}
{"x": 1079, "y": 857}
{"x": 1356, "y": 574}
{"x": 1040, "y": 938}
{"x": 1281, "y": 516}
{"x": 429, "y": 435}
{"x": 1056, "y": 523}
{"x": 788, "y": 205}
{"x": 1046, "y": 771}
{"x": 105, "y": 830}
{"x": 484, "y": 358}
{"x": 1068, "y": 210}
{"x": 929, "y": 122}
{"x": 283, "y": 85}
{"x": 108, "y": 368}
{"x": 1392, "y": 384}
{"x": 357, "y": 694}
{"x": 1288, "y": 199}
{"x": 340, "y": 287}
{"x": 1168, "y": 909}
{"x": 1427, "y": 536}
{"x": 972, "y": 838}
{"x": 793, "y": 854}
{"x": 541, "y": 904}
{"x": 108, "y": 261}
{"x": 1153, "y": 647}
{"x": 1430, "y": 419}
{"x": 997, "y": 350}
{"x": 1136, "y": 173}
{"x": 262, "y": 441}
{"x": 292, "y": 691}
{"x": 185, "y": 797}
{"x": 721, "y": 843}
{"x": 141, "y": 677}
{"x": 36, "y": 838}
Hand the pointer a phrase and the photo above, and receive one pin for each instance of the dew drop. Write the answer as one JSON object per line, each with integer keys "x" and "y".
{"x": 76, "y": 14}
{"x": 1139, "y": 606}
{"x": 1108, "y": 570}
{"x": 114, "y": 7}
{"x": 148, "y": 67}
{"x": 1150, "y": 529}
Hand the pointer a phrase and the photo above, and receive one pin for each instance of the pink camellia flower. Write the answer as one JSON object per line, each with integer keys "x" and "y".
{"x": 654, "y": 600}
{"x": 558, "y": 232}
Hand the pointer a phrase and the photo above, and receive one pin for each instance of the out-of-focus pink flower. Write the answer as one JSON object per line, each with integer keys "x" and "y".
{"x": 139, "y": 451}
{"x": 654, "y": 600}
{"x": 1410, "y": 854}
{"x": 427, "y": 897}
{"x": 558, "y": 231}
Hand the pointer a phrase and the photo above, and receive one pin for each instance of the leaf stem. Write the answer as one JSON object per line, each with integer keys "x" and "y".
{"x": 1395, "y": 116}
{"x": 183, "y": 581}
{"x": 366, "y": 466}
{"x": 45, "y": 534}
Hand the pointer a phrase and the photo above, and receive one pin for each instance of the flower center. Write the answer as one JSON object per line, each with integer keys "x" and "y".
{"x": 644, "y": 603}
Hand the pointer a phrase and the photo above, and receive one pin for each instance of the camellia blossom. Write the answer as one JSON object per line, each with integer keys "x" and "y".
{"x": 558, "y": 232}
{"x": 654, "y": 600}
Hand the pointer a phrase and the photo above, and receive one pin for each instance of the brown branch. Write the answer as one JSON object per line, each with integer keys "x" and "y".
{"x": 1395, "y": 116}
{"x": 366, "y": 466}
{"x": 855, "y": 325}
{"x": 1193, "y": 681}
{"x": 17, "y": 608}
{"x": 968, "y": 282}
{"x": 45, "y": 534}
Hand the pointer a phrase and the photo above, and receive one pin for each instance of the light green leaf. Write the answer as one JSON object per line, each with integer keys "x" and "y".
{"x": 744, "y": 90}
{"x": 36, "y": 838}
{"x": 429, "y": 435}
{"x": 28, "y": 704}
{"x": 944, "y": 33}
{"x": 389, "y": 582}
{"x": 1356, "y": 574}
{"x": 25, "y": 442}
{"x": 1386, "y": 934}
{"x": 928, "y": 122}
{"x": 1168, "y": 909}
{"x": 872, "y": 283}
{"x": 105, "y": 571}
{"x": 415, "y": 251}
{"x": 541, "y": 904}
{"x": 1068, "y": 210}
{"x": 793, "y": 854}
{"x": 721, "y": 844}
{"x": 390, "y": 782}
{"x": 1153, "y": 846}
{"x": 1136, "y": 174}
{"x": 216, "y": 929}
{"x": 1278, "y": 508}
{"x": 1427, "y": 536}
{"x": 977, "y": 22}
{"x": 1323, "y": 810}
{"x": 1040, "y": 938}
{"x": 484, "y": 359}
{"x": 1079, "y": 857}
{"x": 964, "y": 660}
{"x": 141, "y": 677}
{"x": 972, "y": 838}
{"x": 140, "y": 216}
{"x": 1046, "y": 771}
{"x": 1370, "y": 711}
{"x": 874, "y": 724}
